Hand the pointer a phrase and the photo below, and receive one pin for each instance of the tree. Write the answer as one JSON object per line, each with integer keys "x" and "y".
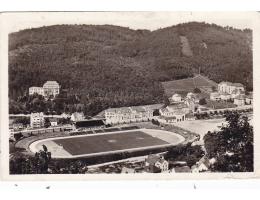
{"x": 213, "y": 88}
{"x": 156, "y": 112}
{"x": 23, "y": 164}
{"x": 232, "y": 146}
{"x": 188, "y": 152}
{"x": 42, "y": 160}
{"x": 202, "y": 101}
{"x": 155, "y": 122}
{"x": 197, "y": 90}
{"x": 18, "y": 136}
{"x": 24, "y": 120}
{"x": 47, "y": 122}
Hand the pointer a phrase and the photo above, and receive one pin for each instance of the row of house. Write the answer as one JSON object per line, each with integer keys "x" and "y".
{"x": 130, "y": 114}
{"x": 157, "y": 164}
{"x": 232, "y": 91}
{"x": 50, "y": 88}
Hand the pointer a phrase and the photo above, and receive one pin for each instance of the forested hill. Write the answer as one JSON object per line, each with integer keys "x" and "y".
{"x": 111, "y": 66}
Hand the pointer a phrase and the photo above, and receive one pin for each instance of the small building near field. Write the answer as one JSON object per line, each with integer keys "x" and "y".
{"x": 77, "y": 116}
{"x": 176, "y": 98}
{"x": 249, "y": 99}
{"x": 239, "y": 100}
{"x": 53, "y": 121}
{"x": 37, "y": 120}
{"x": 203, "y": 165}
{"x": 225, "y": 96}
{"x": 156, "y": 164}
{"x": 65, "y": 115}
{"x": 191, "y": 95}
{"x": 174, "y": 113}
{"x": 191, "y": 103}
{"x": 215, "y": 96}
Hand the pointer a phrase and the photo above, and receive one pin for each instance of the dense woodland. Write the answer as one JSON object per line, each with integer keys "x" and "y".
{"x": 111, "y": 66}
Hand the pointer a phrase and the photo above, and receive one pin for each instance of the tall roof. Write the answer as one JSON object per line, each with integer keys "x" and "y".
{"x": 176, "y": 95}
{"x": 231, "y": 84}
{"x": 135, "y": 108}
{"x": 51, "y": 84}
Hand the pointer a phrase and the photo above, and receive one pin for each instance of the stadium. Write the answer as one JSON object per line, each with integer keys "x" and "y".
{"x": 107, "y": 143}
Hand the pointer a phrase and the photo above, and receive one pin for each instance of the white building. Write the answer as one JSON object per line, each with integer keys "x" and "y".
{"x": 191, "y": 95}
{"x": 228, "y": 87}
{"x": 54, "y": 122}
{"x": 65, "y": 115}
{"x": 215, "y": 96}
{"x": 203, "y": 165}
{"x": 249, "y": 99}
{"x": 130, "y": 114}
{"x": 239, "y": 100}
{"x": 155, "y": 163}
{"x": 77, "y": 116}
{"x": 36, "y": 90}
{"x": 225, "y": 96}
{"x": 176, "y": 98}
{"x": 51, "y": 88}
{"x": 37, "y": 120}
{"x": 174, "y": 113}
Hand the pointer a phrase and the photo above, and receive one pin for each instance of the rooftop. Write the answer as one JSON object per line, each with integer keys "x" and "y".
{"x": 53, "y": 120}
{"x": 231, "y": 84}
{"x": 51, "y": 84}
{"x": 135, "y": 108}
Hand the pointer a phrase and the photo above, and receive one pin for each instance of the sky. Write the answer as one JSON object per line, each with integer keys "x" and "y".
{"x": 133, "y": 20}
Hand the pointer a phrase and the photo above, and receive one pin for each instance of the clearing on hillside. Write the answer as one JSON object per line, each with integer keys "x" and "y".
{"x": 183, "y": 86}
{"x": 186, "y": 50}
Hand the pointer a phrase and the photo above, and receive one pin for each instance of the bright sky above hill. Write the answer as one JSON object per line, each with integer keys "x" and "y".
{"x": 134, "y": 20}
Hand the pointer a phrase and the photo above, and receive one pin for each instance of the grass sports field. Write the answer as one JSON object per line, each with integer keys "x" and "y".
{"x": 107, "y": 143}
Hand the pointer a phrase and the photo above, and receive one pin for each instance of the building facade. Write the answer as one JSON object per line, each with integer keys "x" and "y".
{"x": 239, "y": 100}
{"x": 130, "y": 114}
{"x": 228, "y": 87}
{"x": 174, "y": 113}
{"x": 53, "y": 122}
{"x": 49, "y": 88}
{"x": 37, "y": 120}
{"x": 215, "y": 96}
{"x": 156, "y": 164}
{"x": 77, "y": 116}
{"x": 36, "y": 90}
{"x": 176, "y": 98}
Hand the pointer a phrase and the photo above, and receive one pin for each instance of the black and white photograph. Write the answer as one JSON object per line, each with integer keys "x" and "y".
{"x": 130, "y": 93}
